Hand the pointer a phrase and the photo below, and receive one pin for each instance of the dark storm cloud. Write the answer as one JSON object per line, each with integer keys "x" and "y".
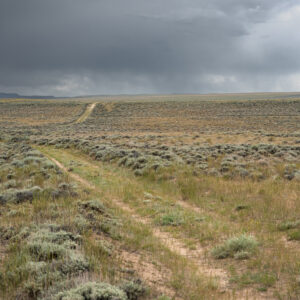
{"x": 68, "y": 47}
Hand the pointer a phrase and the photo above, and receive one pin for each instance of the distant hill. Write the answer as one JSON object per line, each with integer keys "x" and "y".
{"x": 14, "y": 95}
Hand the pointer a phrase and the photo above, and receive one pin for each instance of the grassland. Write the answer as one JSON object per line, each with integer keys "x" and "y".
{"x": 150, "y": 197}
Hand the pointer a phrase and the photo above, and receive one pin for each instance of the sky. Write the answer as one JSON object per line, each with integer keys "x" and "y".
{"x": 93, "y": 47}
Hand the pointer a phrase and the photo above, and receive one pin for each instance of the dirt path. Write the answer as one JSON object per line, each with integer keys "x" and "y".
{"x": 147, "y": 271}
{"x": 195, "y": 256}
{"x": 87, "y": 112}
{"x": 154, "y": 275}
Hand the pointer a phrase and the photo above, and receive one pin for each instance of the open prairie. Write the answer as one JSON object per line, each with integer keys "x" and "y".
{"x": 150, "y": 197}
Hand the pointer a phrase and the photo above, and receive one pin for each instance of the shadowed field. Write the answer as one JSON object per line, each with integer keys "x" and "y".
{"x": 151, "y": 197}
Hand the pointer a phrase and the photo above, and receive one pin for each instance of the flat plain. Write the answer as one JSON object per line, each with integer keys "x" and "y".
{"x": 150, "y": 197}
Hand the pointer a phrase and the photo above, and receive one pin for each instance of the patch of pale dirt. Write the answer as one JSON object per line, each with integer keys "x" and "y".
{"x": 155, "y": 276}
{"x": 190, "y": 206}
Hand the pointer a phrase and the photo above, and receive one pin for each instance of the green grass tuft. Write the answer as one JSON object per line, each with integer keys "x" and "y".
{"x": 241, "y": 247}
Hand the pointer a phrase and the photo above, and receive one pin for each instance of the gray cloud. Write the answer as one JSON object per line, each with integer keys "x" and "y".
{"x": 70, "y": 47}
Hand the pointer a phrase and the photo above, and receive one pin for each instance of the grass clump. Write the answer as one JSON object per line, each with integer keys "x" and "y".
{"x": 241, "y": 247}
{"x": 171, "y": 219}
{"x": 93, "y": 290}
{"x": 94, "y": 205}
{"x": 288, "y": 225}
{"x": 44, "y": 251}
{"x": 7, "y": 232}
{"x": 10, "y": 184}
{"x": 294, "y": 235}
{"x": 262, "y": 279}
{"x": 94, "y": 215}
{"x": 39, "y": 278}
{"x": 19, "y": 196}
{"x": 41, "y": 257}
{"x": 104, "y": 247}
{"x": 133, "y": 289}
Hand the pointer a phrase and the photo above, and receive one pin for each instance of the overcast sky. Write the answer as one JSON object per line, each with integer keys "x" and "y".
{"x": 75, "y": 47}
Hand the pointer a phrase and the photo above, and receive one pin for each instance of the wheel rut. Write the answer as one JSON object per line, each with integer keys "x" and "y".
{"x": 173, "y": 244}
{"x": 86, "y": 113}
{"x": 195, "y": 256}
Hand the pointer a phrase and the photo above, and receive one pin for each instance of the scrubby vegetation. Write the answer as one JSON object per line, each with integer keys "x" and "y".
{"x": 44, "y": 240}
{"x": 182, "y": 197}
{"x": 241, "y": 247}
{"x": 101, "y": 291}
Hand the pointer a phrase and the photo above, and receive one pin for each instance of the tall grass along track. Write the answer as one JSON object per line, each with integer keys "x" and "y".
{"x": 195, "y": 256}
